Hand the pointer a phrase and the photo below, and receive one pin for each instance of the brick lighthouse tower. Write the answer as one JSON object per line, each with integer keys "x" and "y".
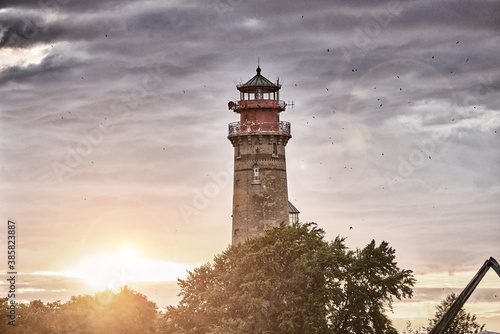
{"x": 260, "y": 197}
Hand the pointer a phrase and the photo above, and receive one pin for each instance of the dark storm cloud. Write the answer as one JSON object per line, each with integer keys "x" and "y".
{"x": 463, "y": 14}
{"x": 65, "y": 5}
{"x": 52, "y": 68}
{"x": 24, "y": 30}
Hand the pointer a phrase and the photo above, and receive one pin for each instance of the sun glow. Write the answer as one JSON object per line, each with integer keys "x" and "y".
{"x": 123, "y": 267}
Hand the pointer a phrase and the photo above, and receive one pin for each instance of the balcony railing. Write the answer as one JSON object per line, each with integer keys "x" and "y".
{"x": 258, "y": 127}
{"x": 235, "y": 105}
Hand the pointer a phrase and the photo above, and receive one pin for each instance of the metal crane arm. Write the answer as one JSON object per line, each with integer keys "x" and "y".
{"x": 443, "y": 324}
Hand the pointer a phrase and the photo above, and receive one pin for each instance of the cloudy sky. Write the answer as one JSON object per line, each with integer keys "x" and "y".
{"x": 114, "y": 160}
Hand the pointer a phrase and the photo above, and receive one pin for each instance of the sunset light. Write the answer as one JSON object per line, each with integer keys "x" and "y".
{"x": 140, "y": 141}
{"x": 112, "y": 270}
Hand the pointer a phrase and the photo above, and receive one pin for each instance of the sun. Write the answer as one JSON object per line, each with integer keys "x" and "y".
{"x": 108, "y": 270}
{"x": 111, "y": 270}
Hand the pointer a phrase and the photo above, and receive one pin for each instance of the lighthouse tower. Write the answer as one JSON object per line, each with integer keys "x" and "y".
{"x": 260, "y": 197}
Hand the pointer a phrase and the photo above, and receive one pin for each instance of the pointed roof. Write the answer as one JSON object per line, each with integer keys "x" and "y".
{"x": 259, "y": 81}
{"x": 292, "y": 208}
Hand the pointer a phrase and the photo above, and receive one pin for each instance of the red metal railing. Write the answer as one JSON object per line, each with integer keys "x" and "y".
{"x": 241, "y": 104}
{"x": 259, "y": 127}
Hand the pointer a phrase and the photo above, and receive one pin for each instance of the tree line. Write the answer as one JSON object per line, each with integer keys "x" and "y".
{"x": 289, "y": 280}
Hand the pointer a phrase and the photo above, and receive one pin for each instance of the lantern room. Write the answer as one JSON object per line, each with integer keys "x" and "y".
{"x": 259, "y": 107}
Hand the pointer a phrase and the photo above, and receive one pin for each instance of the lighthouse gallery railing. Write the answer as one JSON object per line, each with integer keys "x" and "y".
{"x": 259, "y": 127}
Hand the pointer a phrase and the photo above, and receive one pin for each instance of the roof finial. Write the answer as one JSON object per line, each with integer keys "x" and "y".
{"x": 258, "y": 65}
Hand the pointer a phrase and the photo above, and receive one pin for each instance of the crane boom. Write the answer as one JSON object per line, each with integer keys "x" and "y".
{"x": 443, "y": 324}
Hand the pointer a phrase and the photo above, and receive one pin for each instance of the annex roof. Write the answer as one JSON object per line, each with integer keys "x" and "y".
{"x": 292, "y": 208}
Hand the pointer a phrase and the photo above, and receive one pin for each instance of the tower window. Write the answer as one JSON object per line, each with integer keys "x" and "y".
{"x": 275, "y": 150}
{"x": 256, "y": 176}
{"x": 259, "y": 95}
{"x": 238, "y": 151}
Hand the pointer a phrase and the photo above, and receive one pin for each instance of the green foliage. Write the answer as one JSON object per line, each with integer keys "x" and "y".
{"x": 106, "y": 312}
{"x": 463, "y": 323}
{"x": 410, "y": 330}
{"x": 290, "y": 280}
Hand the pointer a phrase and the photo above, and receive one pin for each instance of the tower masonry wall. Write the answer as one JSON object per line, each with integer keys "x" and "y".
{"x": 260, "y": 198}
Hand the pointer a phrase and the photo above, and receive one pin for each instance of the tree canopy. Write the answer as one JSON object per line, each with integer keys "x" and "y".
{"x": 106, "y": 312}
{"x": 463, "y": 323}
{"x": 290, "y": 280}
